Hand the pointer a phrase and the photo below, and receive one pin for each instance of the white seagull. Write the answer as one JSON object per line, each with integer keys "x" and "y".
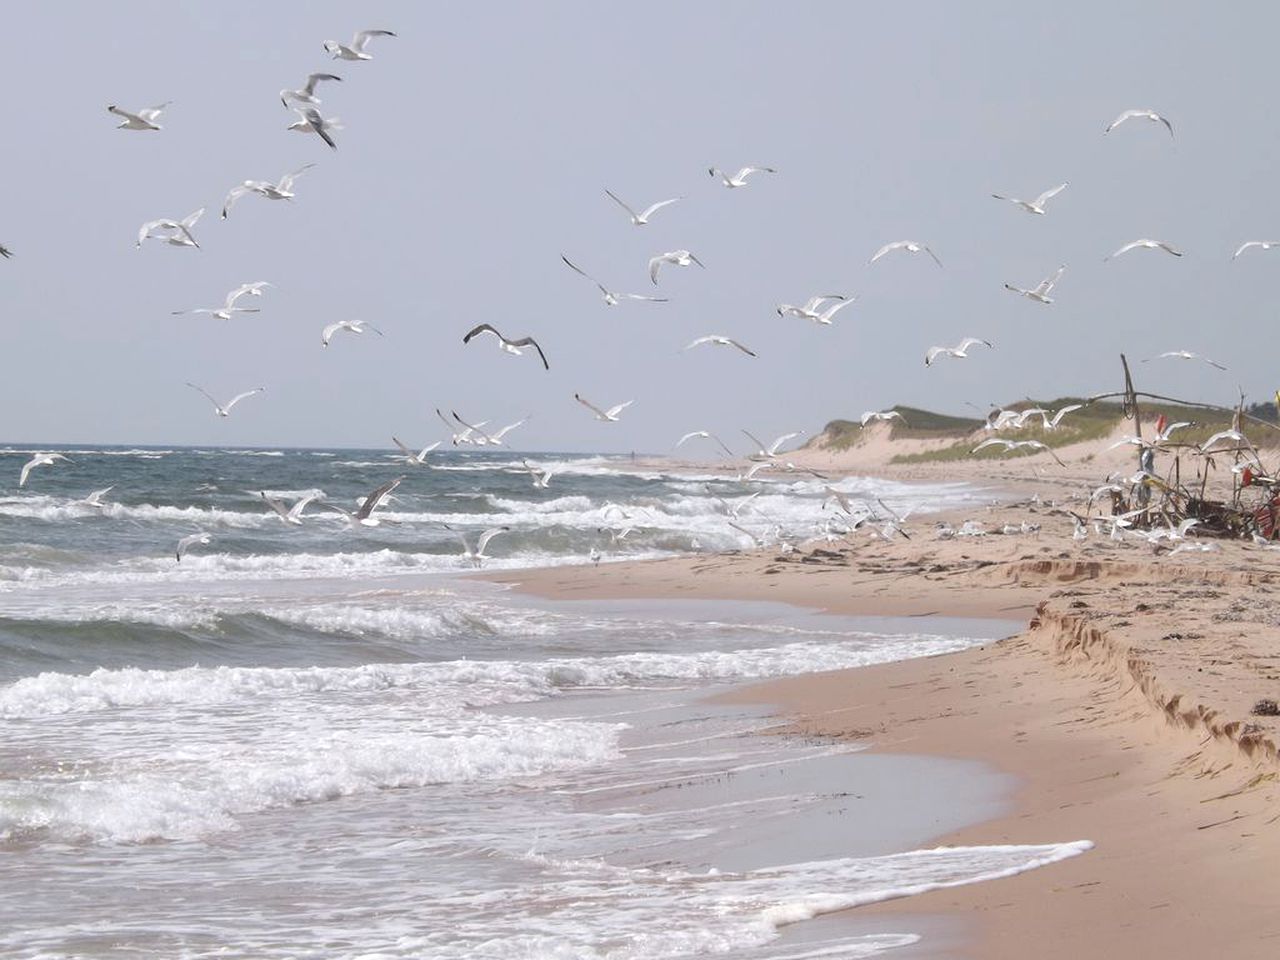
{"x": 610, "y": 298}
{"x": 1260, "y": 244}
{"x": 681, "y": 258}
{"x": 351, "y": 326}
{"x": 307, "y": 94}
{"x": 817, "y": 314}
{"x": 1146, "y": 244}
{"x": 94, "y": 499}
{"x": 416, "y": 459}
{"x": 540, "y": 477}
{"x": 706, "y": 435}
{"x": 1040, "y": 292}
{"x": 189, "y": 541}
{"x": 293, "y": 514}
{"x": 720, "y": 341}
{"x": 1139, "y": 115}
{"x": 510, "y": 346}
{"x": 224, "y": 410}
{"x": 280, "y": 190}
{"x": 1234, "y": 435}
{"x": 363, "y": 516}
{"x": 465, "y": 435}
{"x": 180, "y": 230}
{"x": 641, "y": 218}
{"x": 1184, "y": 355}
{"x": 881, "y": 415}
{"x": 39, "y": 460}
{"x": 142, "y": 120}
{"x": 739, "y": 179}
{"x": 1036, "y": 205}
{"x": 311, "y": 120}
{"x": 610, "y": 415}
{"x": 911, "y": 246}
{"x": 960, "y": 351}
{"x": 1016, "y": 445}
{"x": 476, "y": 554}
{"x": 481, "y": 438}
{"x": 229, "y": 305}
{"x": 1052, "y": 424}
{"x": 771, "y": 451}
{"x": 355, "y": 51}
{"x": 303, "y": 125}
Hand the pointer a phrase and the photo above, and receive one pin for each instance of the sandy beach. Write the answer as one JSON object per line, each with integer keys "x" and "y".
{"x": 1125, "y": 706}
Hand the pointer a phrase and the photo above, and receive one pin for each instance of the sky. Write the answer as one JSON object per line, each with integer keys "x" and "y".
{"x": 476, "y": 149}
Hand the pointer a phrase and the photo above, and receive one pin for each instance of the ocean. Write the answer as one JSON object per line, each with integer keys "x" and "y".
{"x": 327, "y": 741}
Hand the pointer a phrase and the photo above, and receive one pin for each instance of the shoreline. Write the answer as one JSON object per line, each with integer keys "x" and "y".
{"x": 1123, "y": 709}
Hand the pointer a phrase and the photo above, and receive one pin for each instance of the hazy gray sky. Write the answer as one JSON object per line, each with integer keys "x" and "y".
{"x": 477, "y": 148}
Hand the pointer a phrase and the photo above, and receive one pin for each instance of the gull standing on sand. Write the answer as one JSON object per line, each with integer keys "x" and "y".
{"x": 40, "y": 460}
{"x": 610, "y": 298}
{"x": 355, "y": 51}
{"x": 229, "y": 305}
{"x": 721, "y": 341}
{"x": 180, "y": 236}
{"x": 280, "y": 190}
{"x": 881, "y": 415}
{"x": 1260, "y": 244}
{"x": 1184, "y": 355}
{"x": 1009, "y": 445}
{"x": 911, "y": 246}
{"x": 1040, "y": 292}
{"x": 1036, "y": 205}
{"x": 1139, "y": 115}
{"x": 142, "y": 120}
{"x": 509, "y": 346}
{"x": 476, "y": 554}
{"x": 1145, "y": 244}
{"x": 351, "y": 326}
{"x": 641, "y": 218}
{"x": 225, "y": 410}
{"x": 363, "y": 517}
{"x": 681, "y": 258}
{"x": 291, "y": 515}
{"x": 610, "y": 415}
{"x": 960, "y": 351}
{"x": 771, "y": 451}
{"x": 307, "y": 94}
{"x": 739, "y": 179}
{"x": 189, "y": 541}
{"x": 415, "y": 459}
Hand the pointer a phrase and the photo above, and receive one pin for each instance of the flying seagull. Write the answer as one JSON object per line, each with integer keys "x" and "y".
{"x": 1139, "y": 115}
{"x": 1260, "y": 244}
{"x": 641, "y": 218}
{"x": 706, "y": 435}
{"x": 225, "y": 410}
{"x": 363, "y": 515}
{"x": 960, "y": 351}
{"x": 94, "y": 499}
{"x": 681, "y": 258}
{"x": 1041, "y": 291}
{"x": 189, "y": 541}
{"x": 476, "y": 553}
{"x": 1036, "y": 205}
{"x": 303, "y": 125}
{"x": 1185, "y": 355}
{"x": 540, "y": 477}
{"x": 465, "y": 435}
{"x": 881, "y": 415}
{"x": 610, "y": 298}
{"x": 611, "y": 414}
{"x": 180, "y": 235}
{"x": 1146, "y": 244}
{"x": 39, "y": 460}
{"x": 280, "y": 190}
{"x": 229, "y": 305}
{"x": 142, "y": 120}
{"x": 5, "y": 252}
{"x": 771, "y": 451}
{"x": 355, "y": 51}
{"x": 351, "y": 326}
{"x": 307, "y": 94}
{"x": 293, "y": 514}
{"x": 481, "y": 438}
{"x": 311, "y": 120}
{"x": 720, "y": 341}
{"x": 510, "y": 346}
{"x": 1016, "y": 445}
{"x": 416, "y": 459}
{"x": 1052, "y": 424}
{"x": 911, "y": 246}
{"x": 812, "y": 311}
{"x": 739, "y": 179}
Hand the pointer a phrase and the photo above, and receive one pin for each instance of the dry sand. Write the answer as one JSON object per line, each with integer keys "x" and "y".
{"x": 1124, "y": 706}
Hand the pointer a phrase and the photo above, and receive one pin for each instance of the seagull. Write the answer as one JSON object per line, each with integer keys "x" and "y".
{"x": 181, "y": 235}
{"x": 1148, "y": 244}
{"x": 307, "y": 94}
{"x": 229, "y": 305}
{"x": 465, "y": 435}
{"x": 220, "y": 409}
{"x": 416, "y": 459}
{"x": 303, "y": 125}
{"x": 5, "y": 252}
{"x": 960, "y": 351}
{"x": 1036, "y": 205}
{"x": 881, "y": 415}
{"x": 94, "y": 499}
{"x": 1016, "y": 445}
{"x": 641, "y": 218}
{"x": 481, "y": 438}
{"x": 476, "y": 554}
{"x": 770, "y": 452}
{"x": 611, "y": 298}
{"x": 311, "y": 120}
{"x": 739, "y": 179}
{"x": 812, "y": 311}
{"x": 1185, "y": 355}
{"x": 1235, "y": 435}
{"x": 1059, "y": 414}
{"x": 510, "y": 346}
{"x": 355, "y": 51}
{"x": 681, "y": 258}
{"x": 39, "y": 460}
{"x": 353, "y": 326}
{"x": 189, "y": 541}
{"x": 292, "y": 514}
{"x": 911, "y": 246}
{"x": 142, "y": 120}
{"x": 1136, "y": 115}
{"x": 1261, "y": 244}
{"x": 540, "y": 477}
{"x": 1041, "y": 291}
{"x": 364, "y": 513}
{"x": 280, "y": 190}
{"x": 706, "y": 435}
{"x": 611, "y": 414}
{"x": 721, "y": 341}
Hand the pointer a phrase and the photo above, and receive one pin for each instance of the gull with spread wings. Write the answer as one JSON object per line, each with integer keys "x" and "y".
{"x": 509, "y": 346}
